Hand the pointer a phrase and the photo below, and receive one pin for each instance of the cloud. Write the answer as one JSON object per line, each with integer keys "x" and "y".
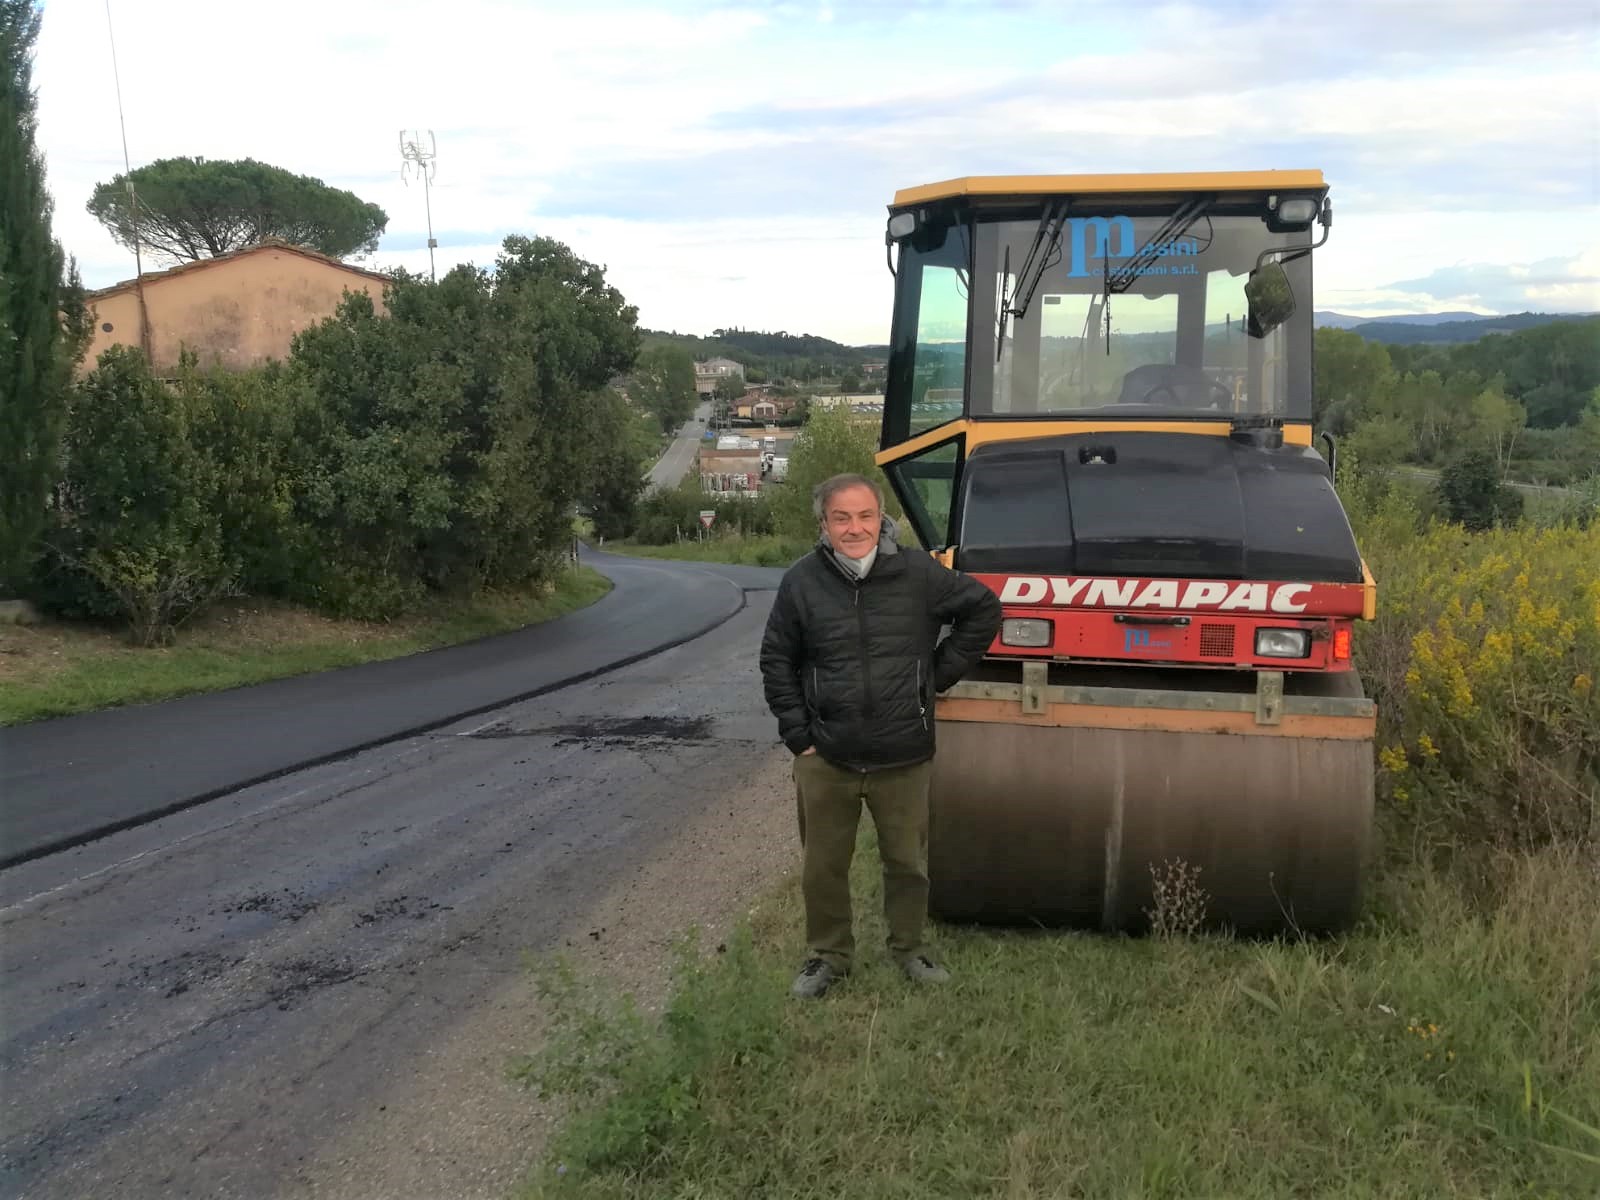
{"x": 1570, "y": 284}
{"x": 731, "y": 162}
{"x": 1559, "y": 283}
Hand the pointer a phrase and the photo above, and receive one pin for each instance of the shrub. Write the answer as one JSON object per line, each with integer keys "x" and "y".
{"x": 241, "y": 425}
{"x": 445, "y": 446}
{"x": 1483, "y": 659}
{"x": 138, "y": 534}
{"x": 1473, "y": 494}
{"x": 666, "y": 516}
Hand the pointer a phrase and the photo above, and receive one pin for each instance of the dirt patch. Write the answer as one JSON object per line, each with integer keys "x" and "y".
{"x": 35, "y": 653}
{"x": 32, "y": 652}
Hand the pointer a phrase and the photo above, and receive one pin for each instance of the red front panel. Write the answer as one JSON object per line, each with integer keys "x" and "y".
{"x": 1203, "y": 623}
{"x": 1201, "y": 641}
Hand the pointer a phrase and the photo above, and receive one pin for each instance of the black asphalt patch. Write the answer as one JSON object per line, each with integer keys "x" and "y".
{"x": 291, "y": 906}
{"x": 304, "y": 976}
{"x": 613, "y": 732}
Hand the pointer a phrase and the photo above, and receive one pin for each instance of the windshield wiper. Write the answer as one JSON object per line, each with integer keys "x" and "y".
{"x": 1045, "y": 240}
{"x": 1178, "y": 224}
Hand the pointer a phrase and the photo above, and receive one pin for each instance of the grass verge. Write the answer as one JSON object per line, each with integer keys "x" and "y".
{"x": 56, "y": 669}
{"x": 1446, "y": 1048}
{"x": 767, "y": 551}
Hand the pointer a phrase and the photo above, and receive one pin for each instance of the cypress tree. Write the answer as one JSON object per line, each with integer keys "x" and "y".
{"x": 37, "y": 347}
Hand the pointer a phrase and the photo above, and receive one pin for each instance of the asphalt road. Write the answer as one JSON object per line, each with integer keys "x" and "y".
{"x": 314, "y": 986}
{"x": 68, "y": 780}
{"x": 679, "y": 457}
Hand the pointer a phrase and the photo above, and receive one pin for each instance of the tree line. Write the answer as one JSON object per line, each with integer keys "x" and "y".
{"x": 779, "y": 358}
{"x": 1528, "y": 400}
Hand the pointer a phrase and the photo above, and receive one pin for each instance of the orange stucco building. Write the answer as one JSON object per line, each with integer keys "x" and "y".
{"x": 235, "y": 310}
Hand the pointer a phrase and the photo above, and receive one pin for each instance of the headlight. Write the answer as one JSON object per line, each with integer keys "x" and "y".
{"x": 1283, "y": 643}
{"x": 902, "y": 225}
{"x": 1024, "y": 631}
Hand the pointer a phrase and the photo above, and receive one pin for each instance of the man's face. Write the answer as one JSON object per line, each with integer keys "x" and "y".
{"x": 851, "y": 520}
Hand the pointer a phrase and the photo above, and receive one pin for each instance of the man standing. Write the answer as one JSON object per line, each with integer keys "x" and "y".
{"x": 851, "y": 661}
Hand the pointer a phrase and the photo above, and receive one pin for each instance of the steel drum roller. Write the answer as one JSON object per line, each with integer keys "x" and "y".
{"x": 1034, "y": 822}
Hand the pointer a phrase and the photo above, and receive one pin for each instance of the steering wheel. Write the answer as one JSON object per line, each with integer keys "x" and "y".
{"x": 1222, "y": 397}
{"x": 1172, "y": 375}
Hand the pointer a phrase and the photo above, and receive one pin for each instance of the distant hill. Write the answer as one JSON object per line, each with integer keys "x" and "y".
{"x": 802, "y": 356}
{"x": 1333, "y": 320}
{"x": 1397, "y": 333}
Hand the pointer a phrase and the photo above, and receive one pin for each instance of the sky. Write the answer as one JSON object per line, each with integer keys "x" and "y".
{"x": 730, "y": 164}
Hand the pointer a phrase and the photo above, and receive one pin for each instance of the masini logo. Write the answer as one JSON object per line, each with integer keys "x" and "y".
{"x": 1114, "y": 238}
{"x": 1140, "y": 639}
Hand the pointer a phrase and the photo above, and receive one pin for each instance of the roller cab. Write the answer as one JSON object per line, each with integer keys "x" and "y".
{"x": 1099, "y": 404}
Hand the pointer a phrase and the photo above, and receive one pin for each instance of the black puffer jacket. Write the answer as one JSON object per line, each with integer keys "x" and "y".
{"x": 851, "y": 666}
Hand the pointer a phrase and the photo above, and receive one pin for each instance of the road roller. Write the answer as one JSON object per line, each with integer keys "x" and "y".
{"x": 1098, "y": 402}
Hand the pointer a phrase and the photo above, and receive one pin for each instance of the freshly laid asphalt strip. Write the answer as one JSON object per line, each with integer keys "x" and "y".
{"x": 67, "y": 781}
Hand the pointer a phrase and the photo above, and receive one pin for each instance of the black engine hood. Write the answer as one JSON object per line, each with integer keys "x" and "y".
{"x": 1172, "y": 505}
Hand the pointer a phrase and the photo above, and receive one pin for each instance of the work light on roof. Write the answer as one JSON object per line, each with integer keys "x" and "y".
{"x": 1297, "y": 210}
{"x": 902, "y": 225}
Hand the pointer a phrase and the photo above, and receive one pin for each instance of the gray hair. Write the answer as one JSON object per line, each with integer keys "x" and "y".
{"x": 831, "y": 487}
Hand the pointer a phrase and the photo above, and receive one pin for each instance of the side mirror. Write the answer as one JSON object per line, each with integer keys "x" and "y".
{"x": 1271, "y": 299}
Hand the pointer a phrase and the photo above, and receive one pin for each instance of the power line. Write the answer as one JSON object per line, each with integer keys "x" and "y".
{"x": 133, "y": 195}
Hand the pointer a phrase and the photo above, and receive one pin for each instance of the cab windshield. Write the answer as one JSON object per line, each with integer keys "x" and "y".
{"x": 1108, "y": 313}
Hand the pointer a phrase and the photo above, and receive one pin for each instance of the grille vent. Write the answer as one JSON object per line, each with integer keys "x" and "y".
{"x": 1216, "y": 641}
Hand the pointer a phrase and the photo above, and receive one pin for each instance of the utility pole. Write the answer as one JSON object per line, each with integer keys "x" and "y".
{"x": 133, "y": 199}
{"x": 414, "y": 153}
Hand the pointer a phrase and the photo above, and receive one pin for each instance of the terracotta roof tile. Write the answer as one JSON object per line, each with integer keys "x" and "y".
{"x": 202, "y": 263}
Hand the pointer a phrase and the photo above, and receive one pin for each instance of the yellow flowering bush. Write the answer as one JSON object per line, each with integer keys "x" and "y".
{"x": 1483, "y": 659}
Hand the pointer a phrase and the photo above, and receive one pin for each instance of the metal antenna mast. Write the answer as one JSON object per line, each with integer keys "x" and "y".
{"x": 414, "y": 153}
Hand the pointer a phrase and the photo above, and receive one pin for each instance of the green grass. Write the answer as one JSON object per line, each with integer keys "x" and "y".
{"x": 768, "y": 551}
{"x": 56, "y": 669}
{"x": 1387, "y": 1063}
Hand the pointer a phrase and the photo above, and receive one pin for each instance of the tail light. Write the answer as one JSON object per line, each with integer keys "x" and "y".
{"x": 1341, "y": 644}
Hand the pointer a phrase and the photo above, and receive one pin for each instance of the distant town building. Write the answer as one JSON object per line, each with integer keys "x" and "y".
{"x": 713, "y": 371}
{"x": 860, "y": 402}
{"x": 738, "y": 462}
{"x": 234, "y": 310}
{"x": 759, "y": 404}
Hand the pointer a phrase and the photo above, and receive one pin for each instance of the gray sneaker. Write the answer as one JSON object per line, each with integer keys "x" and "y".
{"x": 815, "y": 978}
{"x": 919, "y": 968}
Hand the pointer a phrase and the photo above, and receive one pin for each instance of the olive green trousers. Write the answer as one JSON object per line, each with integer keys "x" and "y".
{"x": 829, "y": 801}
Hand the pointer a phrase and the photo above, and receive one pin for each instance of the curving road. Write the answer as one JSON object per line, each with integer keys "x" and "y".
{"x": 313, "y": 986}
{"x": 69, "y": 780}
